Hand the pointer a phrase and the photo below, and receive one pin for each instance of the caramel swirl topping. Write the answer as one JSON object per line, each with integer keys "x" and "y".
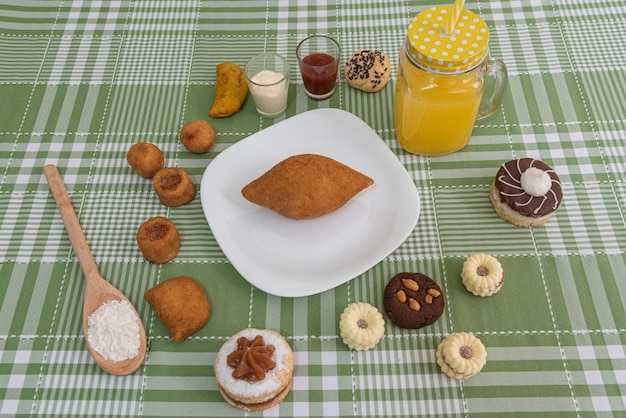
{"x": 251, "y": 360}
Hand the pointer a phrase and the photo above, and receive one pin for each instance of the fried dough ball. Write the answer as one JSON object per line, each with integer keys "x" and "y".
{"x": 158, "y": 240}
{"x": 145, "y": 158}
{"x": 231, "y": 89}
{"x": 174, "y": 187}
{"x": 182, "y": 305}
{"x": 198, "y": 136}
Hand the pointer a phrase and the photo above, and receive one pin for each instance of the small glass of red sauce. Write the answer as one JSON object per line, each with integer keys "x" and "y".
{"x": 318, "y": 58}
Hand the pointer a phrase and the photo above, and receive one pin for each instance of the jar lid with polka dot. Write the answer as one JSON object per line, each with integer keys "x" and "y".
{"x": 432, "y": 48}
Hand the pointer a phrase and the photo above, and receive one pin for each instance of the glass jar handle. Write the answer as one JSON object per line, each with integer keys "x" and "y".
{"x": 492, "y": 100}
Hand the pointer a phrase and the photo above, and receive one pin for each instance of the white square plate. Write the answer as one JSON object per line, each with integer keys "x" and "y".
{"x": 294, "y": 258}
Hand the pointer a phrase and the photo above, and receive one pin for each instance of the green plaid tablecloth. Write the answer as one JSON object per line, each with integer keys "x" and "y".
{"x": 81, "y": 81}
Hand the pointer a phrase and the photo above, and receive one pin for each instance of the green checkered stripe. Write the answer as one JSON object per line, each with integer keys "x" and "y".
{"x": 81, "y": 81}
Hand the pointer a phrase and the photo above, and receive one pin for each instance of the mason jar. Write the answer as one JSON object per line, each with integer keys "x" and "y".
{"x": 441, "y": 82}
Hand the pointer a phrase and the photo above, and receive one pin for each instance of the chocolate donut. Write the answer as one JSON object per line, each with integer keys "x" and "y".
{"x": 526, "y": 192}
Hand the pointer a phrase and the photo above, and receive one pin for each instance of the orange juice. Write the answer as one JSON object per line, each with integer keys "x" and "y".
{"x": 434, "y": 114}
{"x": 442, "y": 72}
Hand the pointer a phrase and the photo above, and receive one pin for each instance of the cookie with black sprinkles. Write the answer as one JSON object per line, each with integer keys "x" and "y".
{"x": 368, "y": 70}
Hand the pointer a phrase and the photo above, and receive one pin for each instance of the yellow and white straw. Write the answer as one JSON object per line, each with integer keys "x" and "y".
{"x": 457, "y": 8}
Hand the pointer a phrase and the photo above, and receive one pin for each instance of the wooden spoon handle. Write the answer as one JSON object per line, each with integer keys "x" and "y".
{"x": 77, "y": 238}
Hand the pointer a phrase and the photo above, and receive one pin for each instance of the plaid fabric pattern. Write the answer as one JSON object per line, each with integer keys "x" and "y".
{"x": 81, "y": 81}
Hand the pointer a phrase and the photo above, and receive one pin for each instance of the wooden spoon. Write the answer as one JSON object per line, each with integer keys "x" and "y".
{"x": 97, "y": 291}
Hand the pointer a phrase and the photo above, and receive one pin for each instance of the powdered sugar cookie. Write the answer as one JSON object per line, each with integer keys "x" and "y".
{"x": 254, "y": 369}
{"x": 362, "y": 326}
{"x": 461, "y": 355}
{"x": 482, "y": 274}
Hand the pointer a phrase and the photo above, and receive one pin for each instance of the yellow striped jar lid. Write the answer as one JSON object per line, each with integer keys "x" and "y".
{"x": 432, "y": 48}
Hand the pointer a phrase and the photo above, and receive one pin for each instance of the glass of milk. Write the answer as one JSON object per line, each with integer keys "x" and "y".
{"x": 268, "y": 79}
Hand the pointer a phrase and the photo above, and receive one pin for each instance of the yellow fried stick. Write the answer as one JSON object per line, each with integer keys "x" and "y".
{"x": 231, "y": 89}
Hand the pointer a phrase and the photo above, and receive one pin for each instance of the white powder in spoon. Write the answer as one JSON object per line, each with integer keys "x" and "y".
{"x": 113, "y": 331}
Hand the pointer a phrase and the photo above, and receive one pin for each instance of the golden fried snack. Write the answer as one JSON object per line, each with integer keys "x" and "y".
{"x": 145, "y": 158}
{"x": 158, "y": 240}
{"x": 173, "y": 186}
{"x": 182, "y": 305}
{"x": 231, "y": 88}
{"x": 306, "y": 186}
{"x": 197, "y": 136}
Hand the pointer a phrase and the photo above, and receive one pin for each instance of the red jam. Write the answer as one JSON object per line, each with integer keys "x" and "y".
{"x": 318, "y": 76}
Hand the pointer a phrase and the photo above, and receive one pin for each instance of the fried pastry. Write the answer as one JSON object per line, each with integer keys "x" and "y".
{"x": 158, "y": 240}
{"x": 231, "y": 89}
{"x": 173, "y": 186}
{"x": 306, "y": 186}
{"x": 182, "y": 305}
{"x": 145, "y": 158}
{"x": 197, "y": 136}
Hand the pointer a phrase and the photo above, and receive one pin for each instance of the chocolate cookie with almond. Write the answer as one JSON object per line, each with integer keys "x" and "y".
{"x": 413, "y": 300}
